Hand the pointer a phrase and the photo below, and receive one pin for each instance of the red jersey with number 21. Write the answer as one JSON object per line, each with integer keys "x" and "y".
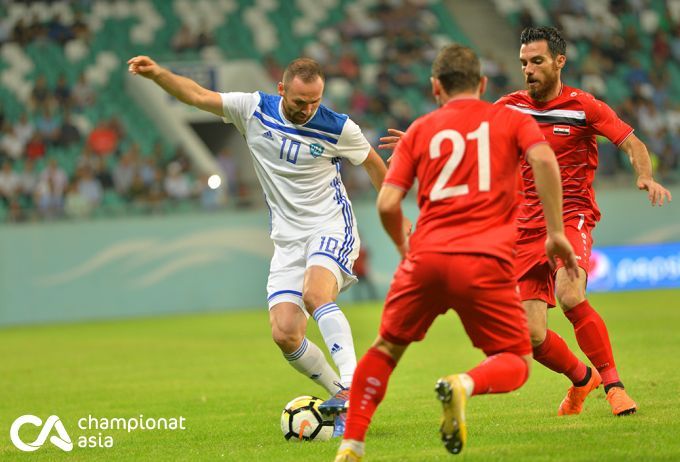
{"x": 570, "y": 123}
{"x": 466, "y": 157}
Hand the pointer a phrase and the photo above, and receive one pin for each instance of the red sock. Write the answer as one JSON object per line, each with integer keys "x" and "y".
{"x": 592, "y": 337}
{"x": 368, "y": 389}
{"x": 499, "y": 373}
{"x": 554, "y": 354}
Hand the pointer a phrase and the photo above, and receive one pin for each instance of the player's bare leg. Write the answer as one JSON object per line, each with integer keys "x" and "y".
{"x": 552, "y": 351}
{"x": 593, "y": 338}
{"x": 289, "y": 324}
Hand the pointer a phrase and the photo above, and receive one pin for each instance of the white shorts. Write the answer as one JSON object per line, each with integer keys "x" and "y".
{"x": 334, "y": 250}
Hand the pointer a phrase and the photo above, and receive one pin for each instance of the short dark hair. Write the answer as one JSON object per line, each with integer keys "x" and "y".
{"x": 457, "y": 68}
{"x": 556, "y": 43}
{"x": 305, "y": 68}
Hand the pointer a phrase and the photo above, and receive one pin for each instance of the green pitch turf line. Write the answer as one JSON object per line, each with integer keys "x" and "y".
{"x": 224, "y": 375}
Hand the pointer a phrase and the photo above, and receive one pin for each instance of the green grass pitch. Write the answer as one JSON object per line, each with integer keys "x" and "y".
{"x": 226, "y": 377}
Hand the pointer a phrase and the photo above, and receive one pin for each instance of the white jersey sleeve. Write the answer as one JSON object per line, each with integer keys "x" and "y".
{"x": 352, "y": 144}
{"x": 238, "y": 107}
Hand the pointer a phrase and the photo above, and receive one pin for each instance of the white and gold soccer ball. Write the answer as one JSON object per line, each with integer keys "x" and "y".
{"x": 302, "y": 421}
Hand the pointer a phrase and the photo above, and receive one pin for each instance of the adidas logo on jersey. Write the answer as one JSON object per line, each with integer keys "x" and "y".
{"x": 268, "y": 134}
{"x": 335, "y": 348}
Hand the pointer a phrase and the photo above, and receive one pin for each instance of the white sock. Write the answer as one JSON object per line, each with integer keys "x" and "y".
{"x": 337, "y": 334}
{"x": 354, "y": 445}
{"x": 468, "y": 383}
{"x": 309, "y": 360}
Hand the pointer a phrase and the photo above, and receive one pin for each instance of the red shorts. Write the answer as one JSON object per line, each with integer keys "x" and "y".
{"x": 536, "y": 278}
{"x": 482, "y": 289}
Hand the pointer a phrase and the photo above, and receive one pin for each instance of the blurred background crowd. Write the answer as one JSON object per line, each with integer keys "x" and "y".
{"x": 74, "y": 144}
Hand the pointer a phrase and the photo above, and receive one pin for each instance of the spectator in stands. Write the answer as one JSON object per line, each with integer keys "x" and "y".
{"x": 79, "y": 27}
{"x": 35, "y": 148}
{"x": 58, "y": 32}
{"x": 28, "y": 181}
{"x": 101, "y": 172}
{"x": 176, "y": 184}
{"x": 54, "y": 180}
{"x": 24, "y": 128}
{"x": 183, "y": 40}
{"x": 230, "y": 174}
{"x": 49, "y": 204}
{"x": 11, "y": 145}
{"x": 104, "y": 139}
{"x": 89, "y": 186}
{"x": 204, "y": 38}
{"x": 20, "y": 33}
{"x": 47, "y": 125}
{"x": 76, "y": 205}
{"x": 68, "y": 132}
{"x": 41, "y": 94}
{"x": 123, "y": 174}
{"x": 62, "y": 92}
{"x": 9, "y": 183}
{"x": 83, "y": 94}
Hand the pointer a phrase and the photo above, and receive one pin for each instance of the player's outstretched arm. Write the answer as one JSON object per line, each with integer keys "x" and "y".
{"x": 182, "y": 88}
{"x": 642, "y": 164}
{"x": 375, "y": 168}
{"x": 391, "y": 216}
{"x": 549, "y": 187}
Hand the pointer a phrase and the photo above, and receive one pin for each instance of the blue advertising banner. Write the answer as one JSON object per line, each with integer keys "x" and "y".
{"x": 650, "y": 266}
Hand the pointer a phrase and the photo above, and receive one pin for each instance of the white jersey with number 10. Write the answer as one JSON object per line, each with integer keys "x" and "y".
{"x": 298, "y": 166}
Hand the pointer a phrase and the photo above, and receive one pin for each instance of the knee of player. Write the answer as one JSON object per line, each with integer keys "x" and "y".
{"x": 313, "y": 299}
{"x": 569, "y": 297}
{"x": 287, "y": 341}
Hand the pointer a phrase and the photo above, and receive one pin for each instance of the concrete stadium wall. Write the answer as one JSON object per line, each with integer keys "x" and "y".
{"x": 197, "y": 262}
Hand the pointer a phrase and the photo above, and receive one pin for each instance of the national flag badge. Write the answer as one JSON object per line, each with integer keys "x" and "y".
{"x": 316, "y": 149}
{"x": 561, "y": 130}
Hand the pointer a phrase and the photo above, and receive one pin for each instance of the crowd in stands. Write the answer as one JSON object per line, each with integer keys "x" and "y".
{"x": 377, "y": 66}
{"x": 108, "y": 172}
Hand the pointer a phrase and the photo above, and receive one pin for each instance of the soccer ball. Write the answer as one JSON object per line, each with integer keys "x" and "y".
{"x": 302, "y": 421}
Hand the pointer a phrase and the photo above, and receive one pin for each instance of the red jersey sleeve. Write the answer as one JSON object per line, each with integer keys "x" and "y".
{"x": 528, "y": 132}
{"x": 402, "y": 170}
{"x": 605, "y": 122}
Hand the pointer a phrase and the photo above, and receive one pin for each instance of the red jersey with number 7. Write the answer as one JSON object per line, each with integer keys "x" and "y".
{"x": 466, "y": 157}
{"x": 570, "y": 123}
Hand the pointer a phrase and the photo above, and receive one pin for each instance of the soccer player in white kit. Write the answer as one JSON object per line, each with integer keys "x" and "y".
{"x": 297, "y": 145}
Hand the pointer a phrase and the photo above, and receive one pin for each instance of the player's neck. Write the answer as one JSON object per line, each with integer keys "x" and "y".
{"x": 444, "y": 98}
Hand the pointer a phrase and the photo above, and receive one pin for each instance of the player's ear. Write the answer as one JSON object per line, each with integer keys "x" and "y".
{"x": 561, "y": 60}
{"x": 483, "y": 81}
{"x": 436, "y": 88}
{"x": 280, "y": 88}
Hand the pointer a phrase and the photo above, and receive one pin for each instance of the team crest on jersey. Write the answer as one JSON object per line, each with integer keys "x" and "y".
{"x": 316, "y": 149}
{"x": 561, "y": 130}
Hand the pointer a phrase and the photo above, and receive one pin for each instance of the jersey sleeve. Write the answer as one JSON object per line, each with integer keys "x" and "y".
{"x": 527, "y": 131}
{"x": 352, "y": 144}
{"x": 605, "y": 122}
{"x": 239, "y": 107}
{"x": 402, "y": 169}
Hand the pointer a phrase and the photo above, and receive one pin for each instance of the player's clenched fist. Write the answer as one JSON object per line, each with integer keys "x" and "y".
{"x": 144, "y": 66}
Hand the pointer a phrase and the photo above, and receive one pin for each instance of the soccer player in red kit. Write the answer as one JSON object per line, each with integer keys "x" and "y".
{"x": 570, "y": 119}
{"x": 466, "y": 157}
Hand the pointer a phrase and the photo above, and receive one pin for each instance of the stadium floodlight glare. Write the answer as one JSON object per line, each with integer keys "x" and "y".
{"x": 214, "y": 181}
